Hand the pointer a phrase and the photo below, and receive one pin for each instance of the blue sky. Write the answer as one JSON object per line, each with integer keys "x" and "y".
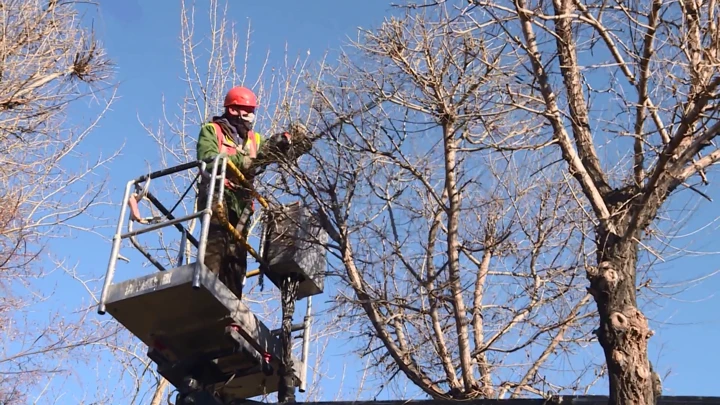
{"x": 142, "y": 39}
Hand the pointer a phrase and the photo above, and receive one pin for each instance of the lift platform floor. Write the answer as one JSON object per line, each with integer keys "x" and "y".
{"x": 201, "y": 339}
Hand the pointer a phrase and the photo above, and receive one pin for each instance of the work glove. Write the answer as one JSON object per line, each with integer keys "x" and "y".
{"x": 278, "y": 146}
{"x": 300, "y": 140}
{"x": 285, "y": 146}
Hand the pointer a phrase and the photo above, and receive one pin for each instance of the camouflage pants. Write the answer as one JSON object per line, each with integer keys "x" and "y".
{"x": 224, "y": 255}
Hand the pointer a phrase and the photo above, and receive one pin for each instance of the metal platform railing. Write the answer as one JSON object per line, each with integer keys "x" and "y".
{"x": 204, "y": 215}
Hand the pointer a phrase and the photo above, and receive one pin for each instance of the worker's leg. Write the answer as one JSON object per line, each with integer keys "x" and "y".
{"x": 217, "y": 240}
{"x": 224, "y": 255}
{"x": 235, "y": 260}
{"x": 216, "y": 249}
{"x": 224, "y": 258}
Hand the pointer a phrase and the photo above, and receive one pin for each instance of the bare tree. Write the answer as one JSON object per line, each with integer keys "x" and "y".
{"x": 460, "y": 262}
{"x": 48, "y": 62}
{"x": 626, "y": 93}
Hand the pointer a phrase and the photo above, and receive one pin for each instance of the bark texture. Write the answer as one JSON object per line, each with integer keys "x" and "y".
{"x": 623, "y": 332}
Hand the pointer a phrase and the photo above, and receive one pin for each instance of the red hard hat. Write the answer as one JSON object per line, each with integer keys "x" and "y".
{"x": 241, "y": 96}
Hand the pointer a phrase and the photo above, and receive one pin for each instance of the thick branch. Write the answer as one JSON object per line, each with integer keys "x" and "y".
{"x": 642, "y": 89}
{"x": 477, "y": 319}
{"x": 622, "y": 64}
{"x": 576, "y": 100}
{"x": 453, "y": 251}
{"x": 577, "y": 169}
{"x": 439, "y": 340}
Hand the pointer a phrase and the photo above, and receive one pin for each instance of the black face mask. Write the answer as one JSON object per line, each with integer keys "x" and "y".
{"x": 239, "y": 123}
{"x": 242, "y": 126}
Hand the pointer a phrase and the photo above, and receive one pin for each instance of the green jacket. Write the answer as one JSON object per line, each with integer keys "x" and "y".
{"x": 207, "y": 147}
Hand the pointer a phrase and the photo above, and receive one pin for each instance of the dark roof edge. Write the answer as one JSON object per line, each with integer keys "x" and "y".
{"x": 558, "y": 400}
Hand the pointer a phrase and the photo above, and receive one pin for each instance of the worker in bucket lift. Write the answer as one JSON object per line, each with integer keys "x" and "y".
{"x": 233, "y": 134}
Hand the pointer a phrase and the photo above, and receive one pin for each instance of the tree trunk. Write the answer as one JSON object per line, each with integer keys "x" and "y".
{"x": 159, "y": 391}
{"x": 286, "y": 370}
{"x": 453, "y": 252}
{"x": 624, "y": 331}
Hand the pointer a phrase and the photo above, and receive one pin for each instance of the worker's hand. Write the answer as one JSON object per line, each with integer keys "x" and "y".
{"x": 285, "y": 146}
{"x": 275, "y": 150}
{"x": 298, "y": 130}
{"x": 301, "y": 143}
{"x": 283, "y": 142}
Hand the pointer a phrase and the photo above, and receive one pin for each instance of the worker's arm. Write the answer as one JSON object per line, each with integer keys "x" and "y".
{"x": 207, "y": 145}
{"x": 284, "y": 146}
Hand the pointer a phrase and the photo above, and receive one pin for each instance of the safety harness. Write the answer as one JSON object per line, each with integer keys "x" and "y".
{"x": 231, "y": 149}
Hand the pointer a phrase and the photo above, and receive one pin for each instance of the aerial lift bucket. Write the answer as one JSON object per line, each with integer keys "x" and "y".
{"x": 205, "y": 341}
